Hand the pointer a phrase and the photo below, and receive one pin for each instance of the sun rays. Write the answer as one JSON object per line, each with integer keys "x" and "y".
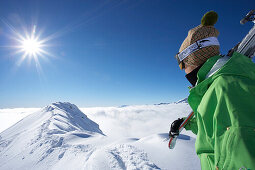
{"x": 28, "y": 45}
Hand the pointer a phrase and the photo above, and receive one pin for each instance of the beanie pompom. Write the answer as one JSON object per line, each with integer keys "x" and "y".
{"x": 209, "y": 19}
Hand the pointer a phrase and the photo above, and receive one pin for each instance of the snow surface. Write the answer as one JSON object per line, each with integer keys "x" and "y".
{"x": 60, "y": 136}
{"x": 9, "y": 117}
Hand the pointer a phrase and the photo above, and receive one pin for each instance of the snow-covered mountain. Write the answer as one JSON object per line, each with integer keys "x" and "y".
{"x": 60, "y": 136}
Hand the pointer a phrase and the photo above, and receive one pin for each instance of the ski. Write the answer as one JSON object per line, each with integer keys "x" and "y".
{"x": 247, "y": 45}
{"x": 172, "y": 140}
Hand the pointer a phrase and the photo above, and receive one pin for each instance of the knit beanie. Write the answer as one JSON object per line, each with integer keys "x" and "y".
{"x": 205, "y": 30}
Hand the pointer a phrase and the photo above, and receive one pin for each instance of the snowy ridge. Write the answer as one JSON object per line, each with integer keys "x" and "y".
{"x": 60, "y": 136}
{"x": 68, "y": 117}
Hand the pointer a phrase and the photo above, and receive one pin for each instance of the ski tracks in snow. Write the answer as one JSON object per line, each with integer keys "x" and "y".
{"x": 118, "y": 156}
{"x": 125, "y": 156}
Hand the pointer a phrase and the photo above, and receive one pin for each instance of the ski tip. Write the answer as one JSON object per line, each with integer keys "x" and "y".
{"x": 171, "y": 143}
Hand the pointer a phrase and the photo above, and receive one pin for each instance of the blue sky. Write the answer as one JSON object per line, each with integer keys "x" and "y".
{"x": 106, "y": 53}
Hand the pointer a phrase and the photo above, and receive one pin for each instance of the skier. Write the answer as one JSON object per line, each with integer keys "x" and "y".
{"x": 222, "y": 98}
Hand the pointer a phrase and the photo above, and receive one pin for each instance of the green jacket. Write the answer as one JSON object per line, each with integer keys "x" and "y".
{"x": 224, "y": 107}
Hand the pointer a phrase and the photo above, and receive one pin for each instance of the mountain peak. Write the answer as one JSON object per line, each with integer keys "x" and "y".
{"x": 66, "y": 106}
{"x": 67, "y": 117}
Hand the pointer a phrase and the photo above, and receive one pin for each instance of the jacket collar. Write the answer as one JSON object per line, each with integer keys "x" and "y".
{"x": 206, "y": 67}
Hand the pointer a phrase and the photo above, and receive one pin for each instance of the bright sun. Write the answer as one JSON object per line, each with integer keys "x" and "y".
{"x": 31, "y": 46}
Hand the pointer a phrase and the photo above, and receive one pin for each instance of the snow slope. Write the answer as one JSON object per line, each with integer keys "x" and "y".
{"x": 60, "y": 136}
{"x": 9, "y": 117}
